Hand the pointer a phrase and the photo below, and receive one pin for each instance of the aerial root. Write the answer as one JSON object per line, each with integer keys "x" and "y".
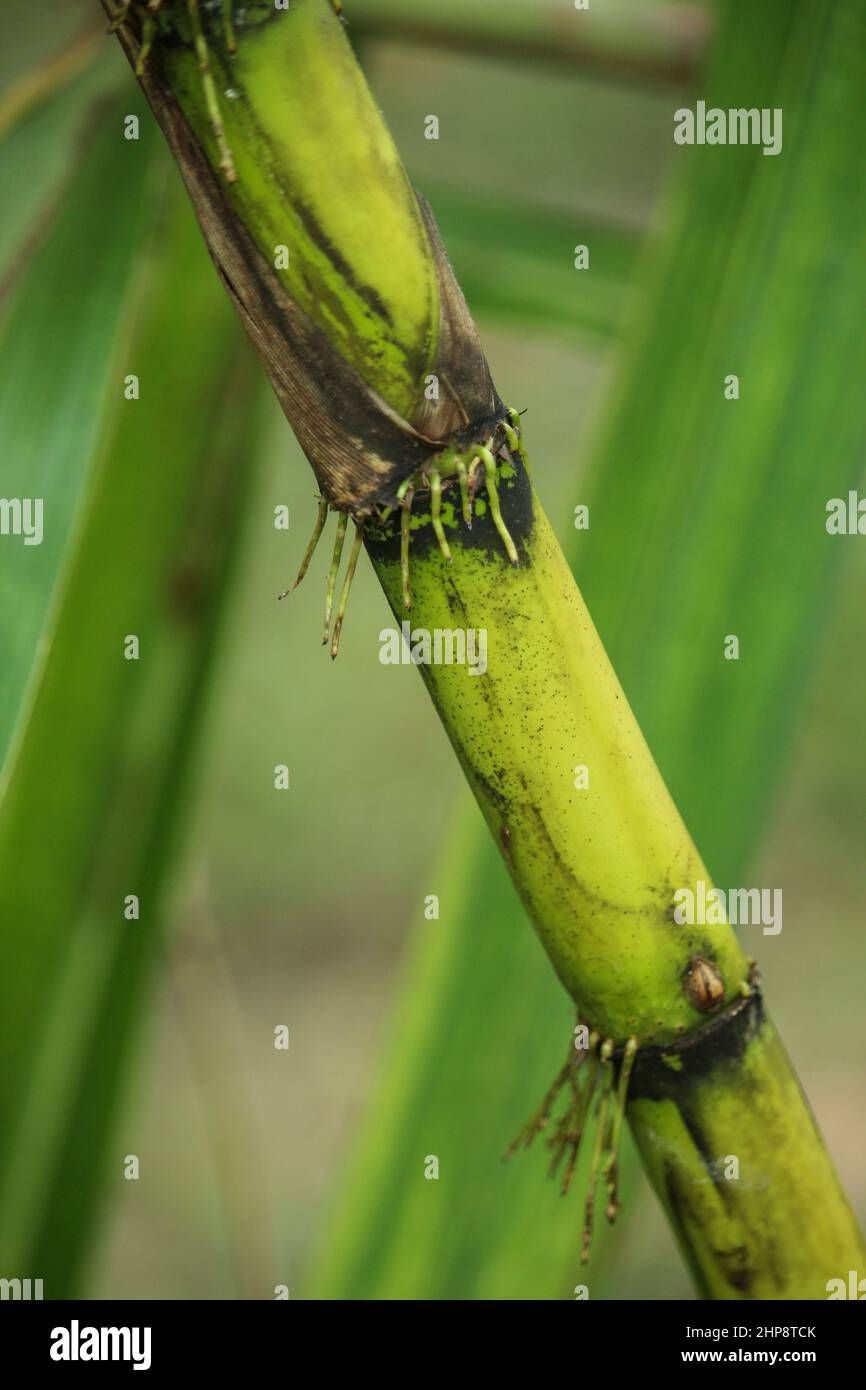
{"x": 148, "y": 34}
{"x": 146, "y": 12}
{"x": 321, "y": 518}
{"x": 611, "y": 1163}
{"x": 210, "y": 94}
{"x": 570, "y": 1128}
{"x": 472, "y": 479}
{"x": 408, "y": 492}
{"x": 347, "y": 585}
{"x": 590, "y": 1079}
{"x": 121, "y": 16}
{"x": 475, "y": 466}
{"x": 493, "y": 497}
{"x": 538, "y": 1122}
{"x": 465, "y": 496}
{"x": 436, "y": 512}
{"x": 514, "y": 435}
{"x": 333, "y": 570}
{"x": 597, "y": 1148}
{"x": 466, "y": 469}
{"x": 331, "y": 587}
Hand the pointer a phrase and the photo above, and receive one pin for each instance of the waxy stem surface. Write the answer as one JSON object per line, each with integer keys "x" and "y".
{"x": 597, "y": 868}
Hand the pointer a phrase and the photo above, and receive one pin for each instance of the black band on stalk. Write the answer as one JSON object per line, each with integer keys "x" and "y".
{"x": 670, "y": 1071}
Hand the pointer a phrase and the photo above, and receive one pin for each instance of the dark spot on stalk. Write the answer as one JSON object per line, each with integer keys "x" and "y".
{"x": 700, "y": 1055}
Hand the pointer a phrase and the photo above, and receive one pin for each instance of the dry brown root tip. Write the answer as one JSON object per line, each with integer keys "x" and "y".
{"x": 575, "y": 1124}
{"x": 589, "y": 1076}
{"x": 597, "y": 1148}
{"x": 539, "y": 1120}
{"x": 611, "y": 1166}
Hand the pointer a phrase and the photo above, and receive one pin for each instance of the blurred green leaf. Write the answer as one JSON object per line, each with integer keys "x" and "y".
{"x": 641, "y": 39}
{"x": 580, "y": 152}
{"x": 40, "y": 33}
{"x": 707, "y": 518}
{"x": 732, "y": 495}
{"x": 59, "y": 341}
{"x": 41, "y": 154}
{"x": 516, "y": 264}
{"x": 144, "y": 501}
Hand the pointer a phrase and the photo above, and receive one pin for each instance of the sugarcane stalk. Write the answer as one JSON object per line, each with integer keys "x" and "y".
{"x": 338, "y": 274}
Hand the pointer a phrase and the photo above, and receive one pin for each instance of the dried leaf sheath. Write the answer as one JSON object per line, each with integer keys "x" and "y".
{"x": 359, "y": 444}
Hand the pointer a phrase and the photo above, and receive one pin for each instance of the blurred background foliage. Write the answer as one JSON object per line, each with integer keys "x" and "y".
{"x": 408, "y": 1036}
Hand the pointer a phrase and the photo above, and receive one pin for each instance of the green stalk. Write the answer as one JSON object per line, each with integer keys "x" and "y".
{"x": 351, "y": 328}
{"x": 596, "y": 868}
{"x": 439, "y": 1071}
